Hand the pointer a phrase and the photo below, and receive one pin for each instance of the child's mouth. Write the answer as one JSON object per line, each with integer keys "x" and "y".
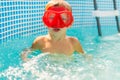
{"x": 56, "y": 29}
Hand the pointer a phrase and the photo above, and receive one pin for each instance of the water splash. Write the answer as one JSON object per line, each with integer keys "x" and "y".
{"x": 52, "y": 67}
{"x": 104, "y": 66}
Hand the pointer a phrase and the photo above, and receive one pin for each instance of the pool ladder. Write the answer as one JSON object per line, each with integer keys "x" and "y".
{"x": 98, "y": 14}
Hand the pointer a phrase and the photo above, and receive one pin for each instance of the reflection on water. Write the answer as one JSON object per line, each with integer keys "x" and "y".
{"x": 104, "y": 66}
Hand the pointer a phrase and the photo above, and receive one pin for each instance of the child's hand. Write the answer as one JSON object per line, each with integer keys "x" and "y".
{"x": 25, "y": 53}
{"x": 24, "y": 58}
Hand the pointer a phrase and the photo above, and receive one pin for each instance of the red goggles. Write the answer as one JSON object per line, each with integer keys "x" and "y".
{"x": 57, "y": 17}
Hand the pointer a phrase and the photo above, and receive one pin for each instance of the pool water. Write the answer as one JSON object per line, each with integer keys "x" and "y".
{"x": 44, "y": 66}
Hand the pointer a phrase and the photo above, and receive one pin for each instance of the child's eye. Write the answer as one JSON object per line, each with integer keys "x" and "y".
{"x": 51, "y": 16}
{"x": 64, "y": 16}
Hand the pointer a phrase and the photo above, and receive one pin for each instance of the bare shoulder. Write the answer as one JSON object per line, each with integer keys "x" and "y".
{"x": 40, "y": 38}
{"x": 73, "y": 39}
{"x": 38, "y": 42}
{"x": 76, "y": 44}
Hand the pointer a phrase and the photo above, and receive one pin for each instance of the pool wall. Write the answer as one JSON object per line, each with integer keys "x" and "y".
{"x": 20, "y": 18}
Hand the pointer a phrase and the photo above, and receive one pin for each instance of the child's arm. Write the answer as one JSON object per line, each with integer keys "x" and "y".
{"x": 78, "y": 48}
{"x": 26, "y": 52}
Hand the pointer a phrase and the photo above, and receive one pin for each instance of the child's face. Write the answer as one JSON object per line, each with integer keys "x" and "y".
{"x": 58, "y": 17}
{"x": 64, "y": 18}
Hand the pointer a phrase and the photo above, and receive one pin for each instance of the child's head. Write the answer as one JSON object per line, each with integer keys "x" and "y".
{"x": 58, "y": 14}
{"x": 58, "y": 3}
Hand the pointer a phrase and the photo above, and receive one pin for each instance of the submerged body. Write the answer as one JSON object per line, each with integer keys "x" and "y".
{"x": 65, "y": 46}
{"x": 56, "y": 42}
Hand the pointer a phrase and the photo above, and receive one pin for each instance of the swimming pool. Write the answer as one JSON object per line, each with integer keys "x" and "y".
{"x": 104, "y": 66}
{"x": 20, "y": 23}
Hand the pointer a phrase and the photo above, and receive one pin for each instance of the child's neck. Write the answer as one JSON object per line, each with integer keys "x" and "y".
{"x": 57, "y": 37}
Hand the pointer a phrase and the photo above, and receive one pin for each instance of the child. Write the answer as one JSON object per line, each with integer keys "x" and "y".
{"x": 58, "y": 18}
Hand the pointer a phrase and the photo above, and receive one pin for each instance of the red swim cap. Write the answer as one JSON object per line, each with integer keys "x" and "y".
{"x": 57, "y": 17}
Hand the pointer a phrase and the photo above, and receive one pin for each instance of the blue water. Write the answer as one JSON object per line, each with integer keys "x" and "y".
{"x": 104, "y": 65}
